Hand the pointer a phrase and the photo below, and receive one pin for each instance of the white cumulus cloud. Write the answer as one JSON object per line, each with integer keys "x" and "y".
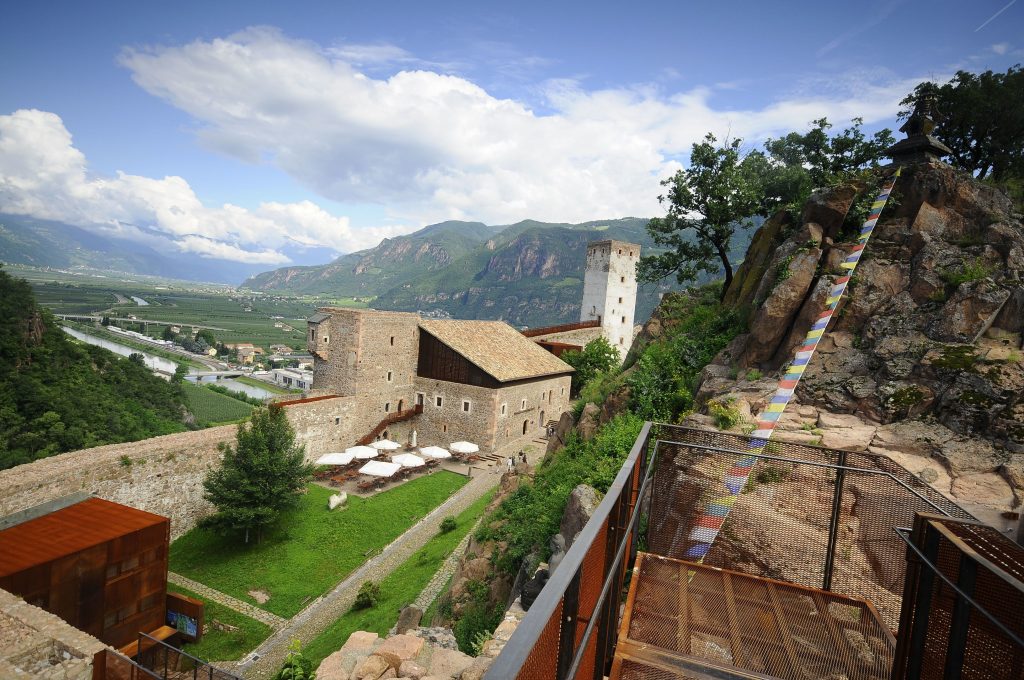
{"x": 42, "y": 174}
{"x": 431, "y": 146}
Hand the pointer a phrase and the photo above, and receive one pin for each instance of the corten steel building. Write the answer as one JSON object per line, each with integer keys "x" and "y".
{"x": 100, "y": 566}
{"x": 394, "y": 372}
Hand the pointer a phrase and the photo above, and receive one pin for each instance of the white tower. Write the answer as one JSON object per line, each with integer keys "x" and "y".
{"x": 609, "y": 290}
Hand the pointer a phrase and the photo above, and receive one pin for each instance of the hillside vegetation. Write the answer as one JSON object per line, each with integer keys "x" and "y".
{"x": 59, "y": 395}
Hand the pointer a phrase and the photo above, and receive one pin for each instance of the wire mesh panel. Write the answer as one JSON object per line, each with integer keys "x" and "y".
{"x": 542, "y": 662}
{"x": 727, "y": 622}
{"x": 167, "y": 662}
{"x": 963, "y": 609}
{"x": 817, "y": 517}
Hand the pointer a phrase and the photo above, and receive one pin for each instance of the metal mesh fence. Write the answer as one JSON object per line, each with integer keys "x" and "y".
{"x": 817, "y": 517}
{"x": 170, "y": 663}
{"x": 964, "y": 604}
{"x": 728, "y": 620}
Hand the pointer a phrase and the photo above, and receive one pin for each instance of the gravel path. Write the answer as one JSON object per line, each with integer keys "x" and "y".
{"x": 253, "y": 612}
{"x": 323, "y": 611}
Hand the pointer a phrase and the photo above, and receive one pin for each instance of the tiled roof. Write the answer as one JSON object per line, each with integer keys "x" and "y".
{"x": 498, "y": 349}
{"x": 318, "y": 317}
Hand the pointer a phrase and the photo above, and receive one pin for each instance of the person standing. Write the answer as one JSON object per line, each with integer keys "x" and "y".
{"x": 510, "y": 463}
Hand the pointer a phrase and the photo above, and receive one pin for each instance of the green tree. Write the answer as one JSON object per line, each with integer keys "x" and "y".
{"x": 596, "y": 357}
{"x": 168, "y": 334}
{"x": 179, "y": 374}
{"x": 206, "y": 335}
{"x": 793, "y": 166}
{"x": 706, "y": 203}
{"x": 980, "y": 117}
{"x": 259, "y": 477}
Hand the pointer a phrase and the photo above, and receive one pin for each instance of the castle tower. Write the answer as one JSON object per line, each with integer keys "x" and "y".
{"x": 609, "y": 290}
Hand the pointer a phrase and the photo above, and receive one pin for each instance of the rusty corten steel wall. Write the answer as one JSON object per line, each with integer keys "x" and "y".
{"x": 947, "y": 636}
{"x": 111, "y": 589}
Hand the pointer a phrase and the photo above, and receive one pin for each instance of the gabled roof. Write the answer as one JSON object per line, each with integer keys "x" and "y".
{"x": 318, "y": 317}
{"x": 496, "y": 348}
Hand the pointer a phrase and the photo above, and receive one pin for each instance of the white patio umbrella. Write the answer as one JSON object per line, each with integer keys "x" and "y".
{"x": 385, "y": 445}
{"x": 408, "y": 460}
{"x": 434, "y": 452}
{"x": 362, "y": 451}
{"x": 464, "y": 447}
{"x": 335, "y": 458}
{"x": 379, "y": 468}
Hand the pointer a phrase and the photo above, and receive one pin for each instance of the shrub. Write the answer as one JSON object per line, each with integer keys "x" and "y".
{"x": 724, "y": 413}
{"x": 754, "y": 374}
{"x": 367, "y": 596}
{"x": 125, "y": 461}
{"x": 447, "y": 524}
{"x": 296, "y": 666}
{"x": 970, "y": 271}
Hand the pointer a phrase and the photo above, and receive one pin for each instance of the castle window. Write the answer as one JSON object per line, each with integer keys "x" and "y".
{"x": 392, "y": 341}
{"x": 620, "y": 251}
{"x": 622, "y": 341}
{"x": 420, "y": 398}
{"x": 312, "y": 334}
{"x": 389, "y": 372}
{"x": 524, "y": 403}
{"x": 465, "y": 406}
{"x": 387, "y": 407}
{"x": 563, "y": 392}
{"x": 337, "y": 420}
{"x": 622, "y": 279}
{"x": 504, "y": 410}
{"x": 326, "y": 339}
{"x": 620, "y": 301}
{"x": 438, "y": 401}
{"x": 623, "y": 319}
{"x": 444, "y": 428}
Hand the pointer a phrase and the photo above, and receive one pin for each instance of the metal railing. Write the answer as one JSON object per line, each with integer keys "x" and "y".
{"x": 811, "y": 516}
{"x": 164, "y": 661}
{"x": 963, "y": 603}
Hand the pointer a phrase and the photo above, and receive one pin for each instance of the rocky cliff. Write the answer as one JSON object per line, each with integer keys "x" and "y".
{"x": 923, "y": 362}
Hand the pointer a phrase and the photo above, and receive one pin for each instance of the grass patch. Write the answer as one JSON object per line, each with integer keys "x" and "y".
{"x": 269, "y": 387}
{"x": 310, "y": 549}
{"x": 211, "y": 407}
{"x": 223, "y": 645}
{"x": 399, "y": 589}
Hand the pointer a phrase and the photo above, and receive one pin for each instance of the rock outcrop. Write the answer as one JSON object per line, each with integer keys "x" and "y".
{"x": 924, "y": 356}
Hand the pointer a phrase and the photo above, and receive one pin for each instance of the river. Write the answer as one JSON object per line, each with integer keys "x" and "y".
{"x": 139, "y": 301}
{"x": 156, "y": 363}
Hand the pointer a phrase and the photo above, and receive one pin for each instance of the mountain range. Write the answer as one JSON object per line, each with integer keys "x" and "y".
{"x": 47, "y": 243}
{"x": 529, "y": 273}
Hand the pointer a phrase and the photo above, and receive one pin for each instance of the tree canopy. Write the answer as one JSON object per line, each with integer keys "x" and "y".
{"x": 596, "y": 357}
{"x": 259, "y": 477}
{"x": 723, "y": 190}
{"x": 57, "y": 394}
{"x": 706, "y": 203}
{"x": 980, "y": 117}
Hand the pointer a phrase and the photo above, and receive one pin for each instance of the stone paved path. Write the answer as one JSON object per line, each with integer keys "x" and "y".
{"x": 252, "y": 611}
{"x": 323, "y": 611}
{"x": 439, "y": 580}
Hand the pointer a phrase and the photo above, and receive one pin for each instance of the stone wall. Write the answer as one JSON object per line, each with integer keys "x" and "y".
{"x": 37, "y": 644}
{"x": 485, "y": 423}
{"x": 162, "y": 475}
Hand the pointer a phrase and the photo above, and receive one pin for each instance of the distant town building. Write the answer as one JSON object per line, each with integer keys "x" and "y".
{"x": 292, "y": 378}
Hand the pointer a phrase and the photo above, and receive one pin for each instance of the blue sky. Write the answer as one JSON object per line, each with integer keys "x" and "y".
{"x": 257, "y": 131}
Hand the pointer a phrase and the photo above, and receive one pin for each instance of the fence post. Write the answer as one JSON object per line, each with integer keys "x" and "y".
{"x": 833, "y": 526}
{"x": 567, "y": 634}
{"x": 923, "y": 605}
{"x": 961, "y": 618}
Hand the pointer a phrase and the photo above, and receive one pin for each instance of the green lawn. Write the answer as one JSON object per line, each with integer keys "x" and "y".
{"x": 222, "y": 645}
{"x": 311, "y": 549}
{"x": 211, "y": 407}
{"x": 399, "y": 589}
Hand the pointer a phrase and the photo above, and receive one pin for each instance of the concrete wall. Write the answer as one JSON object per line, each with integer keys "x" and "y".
{"x": 609, "y": 290}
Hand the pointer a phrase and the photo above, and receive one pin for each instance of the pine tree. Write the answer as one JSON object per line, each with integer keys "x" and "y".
{"x": 259, "y": 477}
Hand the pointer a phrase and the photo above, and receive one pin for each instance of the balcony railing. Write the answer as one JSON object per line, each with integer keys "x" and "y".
{"x": 814, "y": 517}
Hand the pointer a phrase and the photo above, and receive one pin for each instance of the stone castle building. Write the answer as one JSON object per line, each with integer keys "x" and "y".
{"x": 394, "y": 372}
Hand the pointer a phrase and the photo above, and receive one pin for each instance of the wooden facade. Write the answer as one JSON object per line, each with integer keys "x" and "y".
{"x": 100, "y": 566}
{"x": 440, "y": 362}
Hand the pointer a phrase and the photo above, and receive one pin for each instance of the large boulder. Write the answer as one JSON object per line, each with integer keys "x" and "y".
{"x": 970, "y": 312}
{"x": 583, "y": 501}
{"x": 590, "y": 420}
{"x": 561, "y": 434}
{"x": 785, "y": 286}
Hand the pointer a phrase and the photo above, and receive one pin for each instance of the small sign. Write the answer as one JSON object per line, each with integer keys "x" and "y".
{"x": 186, "y": 625}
